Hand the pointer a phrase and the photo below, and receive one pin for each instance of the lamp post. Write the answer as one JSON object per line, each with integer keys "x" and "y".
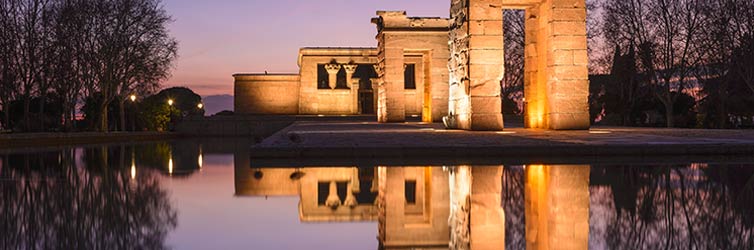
{"x": 170, "y": 121}
{"x": 133, "y": 112}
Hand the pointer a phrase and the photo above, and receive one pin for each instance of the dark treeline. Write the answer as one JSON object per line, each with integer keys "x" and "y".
{"x": 55, "y": 54}
{"x": 54, "y": 201}
{"x": 674, "y": 63}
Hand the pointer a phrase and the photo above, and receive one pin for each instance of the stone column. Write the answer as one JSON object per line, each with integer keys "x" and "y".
{"x": 375, "y": 93}
{"x": 535, "y": 99}
{"x": 391, "y": 105}
{"x": 355, "y": 85}
{"x": 476, "y": 65}
{"x": 557, "y": 82}
{"x": 557, "y": 207}
{"x": 332, "y": 72}
{"x": 350, "y": 70}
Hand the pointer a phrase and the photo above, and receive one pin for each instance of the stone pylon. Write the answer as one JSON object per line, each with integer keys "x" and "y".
{"x": 556, "y": 85}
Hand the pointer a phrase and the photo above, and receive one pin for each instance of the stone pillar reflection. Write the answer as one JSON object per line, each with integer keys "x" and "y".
{"x": 460, "y": 207}
{"x": 487, "y": 216}
{"x": 557, "y": 207}
{"x": 477, "y": 220}
{"x": 333, "y": 200}
{"x": 355, "y": 183}
{"x": 332, "y": 72}
{"x": 350, "y": 198}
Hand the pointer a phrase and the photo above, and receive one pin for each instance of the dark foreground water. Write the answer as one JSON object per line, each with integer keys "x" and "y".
{"x": 192, "y": 195}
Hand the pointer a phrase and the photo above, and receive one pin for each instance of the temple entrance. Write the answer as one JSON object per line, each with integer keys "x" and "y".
{"x": 366, "y": 76}
{"x": 366, "y": 102}
{"x": 412, "y": 67}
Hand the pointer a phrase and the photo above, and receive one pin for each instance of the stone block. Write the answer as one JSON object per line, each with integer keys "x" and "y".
{"x": 486, "y": 122}
{"x": 556, "y": 4}
{"x": 486, "y": 105}
{"x": 569, "y": 121}
{"x": 568, "y": 14}
{"x": 486, "y": 42}
{"x": 568, "y": 28}
{"x": 487, "y": 56}
{"x": 568, "y": 72}
{"x": 485, "y": 10}
{"x": 568, "y": 42}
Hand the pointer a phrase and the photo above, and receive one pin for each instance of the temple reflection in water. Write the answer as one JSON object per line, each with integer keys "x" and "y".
{"x": 456, "y": 207}
{"x": 598, "y": 206}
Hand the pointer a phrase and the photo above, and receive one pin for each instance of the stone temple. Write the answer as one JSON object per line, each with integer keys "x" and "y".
{"x": 443, "y": 70}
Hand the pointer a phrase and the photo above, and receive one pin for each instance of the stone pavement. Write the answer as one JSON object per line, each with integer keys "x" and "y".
{"x": 369, "y": 140}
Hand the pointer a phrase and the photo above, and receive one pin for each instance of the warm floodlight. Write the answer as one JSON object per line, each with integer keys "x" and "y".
{"x": 133, "y": 98}
{"x": 170, "y": 102}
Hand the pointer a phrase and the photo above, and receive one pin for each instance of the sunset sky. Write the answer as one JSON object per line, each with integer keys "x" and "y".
{"x": 222, "y": 37}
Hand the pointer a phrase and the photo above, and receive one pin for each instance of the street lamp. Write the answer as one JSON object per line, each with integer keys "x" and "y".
{"x": 200, "y": 105}
{"x": 170, "y": 102}
{"x": 133, "y": 112}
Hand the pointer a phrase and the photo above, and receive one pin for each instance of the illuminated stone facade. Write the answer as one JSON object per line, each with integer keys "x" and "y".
{"x": 556, "y": 87}
{"x": 442, "y": 69}
{"x": 408, "y": 43}
{"x": 351, "y": 81}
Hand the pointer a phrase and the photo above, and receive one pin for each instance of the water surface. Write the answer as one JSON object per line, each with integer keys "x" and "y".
{"x": 200, "y": 194}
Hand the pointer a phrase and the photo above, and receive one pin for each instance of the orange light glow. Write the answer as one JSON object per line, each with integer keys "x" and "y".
{"x": 170, "y": 166}
{"x": 133, "y": 171}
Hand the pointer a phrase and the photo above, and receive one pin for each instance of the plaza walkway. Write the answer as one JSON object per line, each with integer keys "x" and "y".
{"x": 362, "y": 140}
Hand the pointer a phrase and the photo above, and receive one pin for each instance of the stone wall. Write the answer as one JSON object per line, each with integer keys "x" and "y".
{"x": 314, "y": 101}
{"x": 256, "y": 94}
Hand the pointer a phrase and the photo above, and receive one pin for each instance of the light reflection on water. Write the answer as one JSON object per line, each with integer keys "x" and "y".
{"x": 190, "y": 195}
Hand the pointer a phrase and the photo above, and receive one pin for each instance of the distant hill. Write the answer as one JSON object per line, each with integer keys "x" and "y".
{"x": 217, "y": 103}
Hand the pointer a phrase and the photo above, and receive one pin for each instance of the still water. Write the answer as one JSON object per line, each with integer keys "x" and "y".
{"x": 209, "y": 195}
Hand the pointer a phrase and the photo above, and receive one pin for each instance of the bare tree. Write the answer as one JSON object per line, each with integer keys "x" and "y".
{"x": 27, "y": 18}
{"x": 664, "y": 32}
{"x": 134, "y": 49}
{"x": 8, "y": 78}
{"x": 67, "y": 79}
{"x": 513, "y": 81}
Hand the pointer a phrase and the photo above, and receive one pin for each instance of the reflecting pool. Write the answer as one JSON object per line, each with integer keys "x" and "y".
{"x": 209, "y": 194}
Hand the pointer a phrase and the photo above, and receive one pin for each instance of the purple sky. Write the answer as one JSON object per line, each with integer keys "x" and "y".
{"x": 222, "y": 37}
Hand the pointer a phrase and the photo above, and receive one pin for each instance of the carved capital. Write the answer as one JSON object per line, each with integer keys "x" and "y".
{"x": 350, "y": 68}
{"x": 378, "y": 69}
{"x": 332, "y": 68}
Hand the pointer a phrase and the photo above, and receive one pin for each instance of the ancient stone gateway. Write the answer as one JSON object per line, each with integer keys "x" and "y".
{"x": 418, "y": 45}
{"x": 556, "y": 85}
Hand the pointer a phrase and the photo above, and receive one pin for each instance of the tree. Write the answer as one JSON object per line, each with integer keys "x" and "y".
{"x": 156, "y": 113}
{"x": 134, "y": 49}
{"x": 664, "y": 32}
